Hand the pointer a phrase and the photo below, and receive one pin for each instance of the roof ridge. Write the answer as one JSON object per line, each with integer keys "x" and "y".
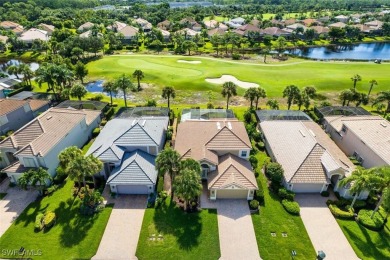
{"x": 304, "y": 160}
{"x": 225, "y": 127}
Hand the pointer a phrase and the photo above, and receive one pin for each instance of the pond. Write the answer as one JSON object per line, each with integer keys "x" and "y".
{"x": 97, "y": 87}
{"x": 362, "y": 51}
{"x": 4, "y": 66}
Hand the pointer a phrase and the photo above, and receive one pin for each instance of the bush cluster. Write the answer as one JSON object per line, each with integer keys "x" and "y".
{"x": 49, "y": 219}
{"x": 254, "y": 204}
{"x": 286, "y": 194}
{"x": 275, "y": 173}
{"x": 110, "y": 112}
{"x": 339, "y": 213}
{"x": 96, "y": 132}
{"x": 325, "y": 193}
{"x": 291, "y": 207}
{"x": 162, "y": 196}
{"x": 38, "y": 222}
{"x": 376, "y": 223}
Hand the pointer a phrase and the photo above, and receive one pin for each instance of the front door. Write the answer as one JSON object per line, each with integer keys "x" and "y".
{"x": 205, "y": 171}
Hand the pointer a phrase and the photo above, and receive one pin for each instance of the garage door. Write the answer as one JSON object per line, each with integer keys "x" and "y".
{"x": 232, "y": 194}
{"x": 307, "y": 187}
{"x": 132, "y": 189}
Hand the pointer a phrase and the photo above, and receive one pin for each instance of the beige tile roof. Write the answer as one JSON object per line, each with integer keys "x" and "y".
{"x": 197, "y": 139}
{"x": 299, "y": 146}
{"x": 85, "y": 26}
{"x": 232, "y": 170}
{"x": 45, "y": 131}
{"x": 9, "y": 24}
{"x": 36, "y": 104}
{"x": 374, "y": 131}
{"x": 337, "y": 25}
{"x": 128, "y": 31}
{"x": 47, "y": 27}
{"x": 16, "y": 168}
{"x": 34, "y": 34}
{"x": 9, "y": 105}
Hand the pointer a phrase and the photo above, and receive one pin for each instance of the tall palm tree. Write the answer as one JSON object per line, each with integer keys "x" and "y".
{"x": 188, "y": 186}
{"x": 27, "y": 73}
{"x": 78, "y": 91}
{"x": 380, "y": 181}
{"x": 384, "y": 96}
{"x": 273, "y": 104}
{"x": 359, "y": 181}
{"x": 229, "y": 89}
{"x": 372, "y": 83}
{"x": 355, "y": 79}
{"x": 45, "y": 74}
{"x": 346, "y": 96}
{"x": 37, "y": 178}
{"x": 190, "y": 164}
{"x": 167, "y": 161}
{"x": 110, "y": 88}
{"x": 123, "y": 83}
{"x": 168, "y": 93}
{"x": 80, "y": 71}
{"x": 250, "y": 94}
{"x": 292, "y": 93}
{"x": 138, "y": 74}
{"x": 14, "y": 70}
{"x": 260, "y": 93}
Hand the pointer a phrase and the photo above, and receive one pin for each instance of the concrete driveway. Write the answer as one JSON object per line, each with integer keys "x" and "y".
{"x": 121, "y": 235}
{"x": 323, "y": 229}
{"x": 13, "y": 204}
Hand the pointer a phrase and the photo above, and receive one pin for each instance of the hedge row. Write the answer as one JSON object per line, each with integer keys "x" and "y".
{"x": 291, "y": 207}
{"x": 376, "y": 223}
{"x": 339, "y": 213}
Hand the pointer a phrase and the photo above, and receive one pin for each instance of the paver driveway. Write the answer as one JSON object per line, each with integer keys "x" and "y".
{"x": 121, "y": 235}
{"x": 323, "y": 229}
{"x": 13, "y": 204}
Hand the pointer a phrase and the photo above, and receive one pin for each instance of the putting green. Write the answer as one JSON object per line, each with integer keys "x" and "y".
{"x": 164, "y": 70}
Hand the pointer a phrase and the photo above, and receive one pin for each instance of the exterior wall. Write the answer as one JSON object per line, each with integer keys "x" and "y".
{"x": 4, "y": 161}
{"x": 234, "y": 152}
{"x": 305, "y": 187}
{"x": 350, "y": 143}
{"x": 150, "y": 188}
{"x": 41, "y": 110}
{"x": 231, "y": 194}
{"x": 17, "y": 119}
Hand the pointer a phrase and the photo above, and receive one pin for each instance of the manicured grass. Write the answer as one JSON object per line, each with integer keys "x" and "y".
{"x": 366, "y": 243}
{"x": 185, "y": 235}
{"x": 273, "y": 218}
{"x": 2, "y": 195}
{"x": 328, "y": 77}
{"x": 73, "y": 236}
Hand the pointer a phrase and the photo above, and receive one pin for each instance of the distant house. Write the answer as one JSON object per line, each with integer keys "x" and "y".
{"x": 363, "y": 28}
{"x": 128, "y": 148}
{"x": 310, "y": 159}
{"x": 247, "y": 29}
{"x": 16, "y": 113}
{"x": 356, "y": 18}
{"x": 39, "y": 142}
{"x": 216, "y": 31}
{"x": 197, "y": 27}
{"x": 34, "y": 34}
{"x": 275, "y": 31}
{"x": 311, "y": 22}
{"x": 211, "y": 24}
{"x": 320, "y": 30}
{"x": 47, "y": 27}
{"x": 374, "y": 25}
{"x": 12, "y": 26}
{"x": 116, "y": 26}
{"x": 367, "y": 138}
{"x": 88, "y": 34}
{"x": 129, "y": 32}
{"x": 165, "y": 25}
{"x": 342, "y": 18}
{"x": 85, "y": 27}
{"x": 144, "y": 24}
{"x": 238, "y": 20}
{"x": 166, "y": 35}
{"x": 222, "y": 148}
{"x": 188, "y": 33}
{"x": 295, "y": 26}
{"x": 337, "y": 25}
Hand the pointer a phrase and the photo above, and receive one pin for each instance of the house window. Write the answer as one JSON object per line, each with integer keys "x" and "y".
{"x": 244, "y": 153}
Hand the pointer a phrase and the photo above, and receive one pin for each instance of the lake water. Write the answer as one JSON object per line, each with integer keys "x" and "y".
{"x": 363, "y": 51}
{"x": 4, "y": 66}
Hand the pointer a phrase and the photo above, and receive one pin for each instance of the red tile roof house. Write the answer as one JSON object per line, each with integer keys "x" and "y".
{"x": 39, "y": 142}
{"x": 222, "y": 148}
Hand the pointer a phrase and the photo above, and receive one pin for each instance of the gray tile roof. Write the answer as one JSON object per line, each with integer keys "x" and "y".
{"x": 138, "y": 168}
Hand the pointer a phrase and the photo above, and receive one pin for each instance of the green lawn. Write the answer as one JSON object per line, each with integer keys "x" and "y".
{"x": 2, "y": 195}
{"x": 73, "y": 236}
{"x": 273, "y": 218}
{"x": 185, "y": 235}
{"x": 366, "y": 243}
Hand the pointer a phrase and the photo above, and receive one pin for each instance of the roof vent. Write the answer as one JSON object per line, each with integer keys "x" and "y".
{"x": 302, "y": 133}
{"x": 143, "y": 123}
{"x": 383, "y": 124}
{"x": 218, "y": 125}
{"x": 312, "y": 133}
{"x": 230, "y": 125}
{"x": 48, "y": 118}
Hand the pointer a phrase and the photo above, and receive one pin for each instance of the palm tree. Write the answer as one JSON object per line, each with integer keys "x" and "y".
{"x": 372, "y": 83}
{"x": 167, "y": 161}
{"x": 190, "y": 164}
{"x": 359, "y": 181}
{"x": 14, "y": 69}
{"x": 168, "y": 93}
{"x": 27, "y": 73}
{"x": 380, "y": 181}
{"x": 229, "y": 89}
{"x": 292, "y": 93}
{"x": 138, "y": 74}
{"x": 273, "y": 104}
{"x": 80, "y": 71}
{"x": 260, "y": 93}
{"x": 383, "y": 96}
{"x": 250, "y": 94}
{"x": 189, "y": 46}
{"x": 45, "y": 74}
{"x": 188, "y": 186}
{"x": 346, "y": 95}
{"x": 355, "y": 79}
{"x": 110, "y": 87}
{"x": 123, "y": 83}
{"x": 78, "y": 91}
{"x": 37, "y": 178}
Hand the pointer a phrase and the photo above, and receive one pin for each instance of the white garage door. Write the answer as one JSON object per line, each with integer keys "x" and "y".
{"x": 232, "y": 194}
{"x": 307, "y": 188}
{"x": 132, "y": 189}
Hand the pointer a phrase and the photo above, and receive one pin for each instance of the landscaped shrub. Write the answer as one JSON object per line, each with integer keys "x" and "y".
{"x": 51, "y": 189}
{"x": 96, "y": 132}
{"x": 248, "y": 116}
{"x": 110, "y": 112}
{"x": 169, "y": 135}
{"x": 360, "y": 204}
{"x": 160, "y": 184}
{"x": 339, "y": 213}
{"x": 236, "y": 56}
{"x": 291, "y": 207}
{"x": 103, "y": 122}
{"x": 275, "y": 172}
{"x": 286, "y": 194}
{"x": 114, "y": 104}
{"x": 38, "y": 222}
{"x": 254, "y": 204}
{"x": 253, "y": 160}
{"x": 49, "y": 219}
{"x": 210, "y": 105}
{"x": 260, "y": 146}
{"x": 375, "y": 223}
{"x": 325, "y": 193}
{"x": 256, "y": 136}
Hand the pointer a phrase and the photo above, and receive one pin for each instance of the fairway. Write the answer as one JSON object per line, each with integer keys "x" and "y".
{"x": 328, "y": 77}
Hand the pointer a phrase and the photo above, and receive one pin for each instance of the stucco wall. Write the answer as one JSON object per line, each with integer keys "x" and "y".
{"x": 17, "y": 119}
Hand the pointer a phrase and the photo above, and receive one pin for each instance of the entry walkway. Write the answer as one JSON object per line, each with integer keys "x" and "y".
{"x": 322, "y": 227}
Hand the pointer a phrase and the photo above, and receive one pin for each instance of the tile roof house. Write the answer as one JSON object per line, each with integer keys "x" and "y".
{"x": 165, "y": 25}
{"x": 374, "y": 25}
{"x": 12, "y": 26}
{"x": 367, "y": 138}
{"x": 129, "y": 32}
{"x": 222, "y": 148}
{"x": 337, "y": 25}
{"x": 144, "y": 24}
{"x": 188, "y": 33}
{"x": 320, "y": 29}
{"x": 275, "y": 31}
{"x": 309, "y": 22}
{"x": 33, "y": 34}
{"x": 215, "y": 31}
{"x": 47, "y": 27}
{"x": 342, "y": 18}
{"x": 128, "y": 148}
{"x": 211, "y": 24}
{"x": 245, "y": 30}
{"x": 38, "y": 143}
{"x": 310, "y": 159}
{"x": 116, "y": 26}
{"x": 16, "y": 113}
{"x": 166, "y": 35}
{"x": 85, "y": 27}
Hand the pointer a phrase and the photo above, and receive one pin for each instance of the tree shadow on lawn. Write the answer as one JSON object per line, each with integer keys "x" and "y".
{"x": 26, "y": 218}
{"x": 369, "y": 248}
{"x": 75, "y": 226}
{"x": 186, "y": 227}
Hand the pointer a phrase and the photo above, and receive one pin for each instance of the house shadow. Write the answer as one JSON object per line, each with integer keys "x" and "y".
{"x": 185, "y": 227}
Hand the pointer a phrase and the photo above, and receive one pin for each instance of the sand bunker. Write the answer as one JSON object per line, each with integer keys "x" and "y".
{"x": 189, "y": 61}
{"x": 226, "y": 78}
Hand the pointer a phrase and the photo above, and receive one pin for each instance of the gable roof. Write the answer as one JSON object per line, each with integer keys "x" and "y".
{"x": 9, "y": 105}
{"x": 128, "y": 30}
{"x": 9, "y": 24}
{"x": 85, "y": 26}
{"x": 232, "y": 170}
{"x": 337, "y": 25}
{"x": 34, "y": 34}
{"x": 47, "y": 27}
{"x": 137, "y": 168}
